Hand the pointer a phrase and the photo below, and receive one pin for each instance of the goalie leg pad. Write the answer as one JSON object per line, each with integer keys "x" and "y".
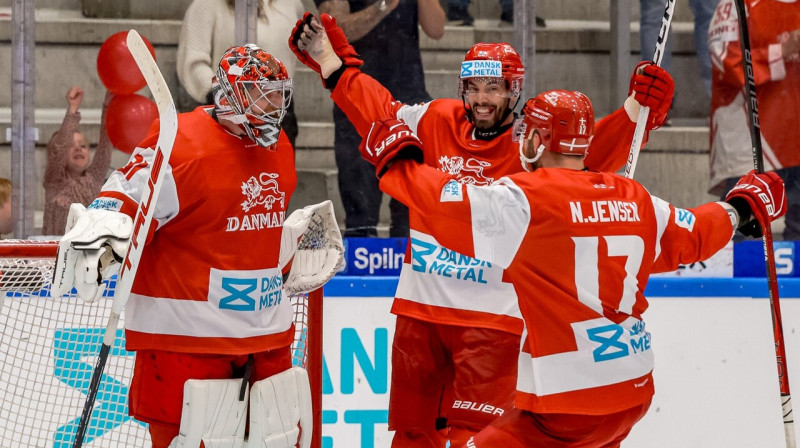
{"x": 279, "y": 404}
{"x": 212, "y": 413}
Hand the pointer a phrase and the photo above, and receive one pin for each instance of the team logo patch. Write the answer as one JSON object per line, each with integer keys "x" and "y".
{"x": 481, "y": 69}
{"x": 262, "y": 191}
{"x": 469, "y": 172}
{"x": 259, "y": 191}
{"x": 452, "y": 192}
{"x": 684, "y": 218}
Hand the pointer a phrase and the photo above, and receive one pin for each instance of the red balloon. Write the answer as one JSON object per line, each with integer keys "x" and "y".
{"x": 116, "y": 67}
{"x": 128, "y": 118}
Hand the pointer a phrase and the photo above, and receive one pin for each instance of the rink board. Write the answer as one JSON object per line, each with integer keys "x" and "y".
{"x": 715, "y": 375}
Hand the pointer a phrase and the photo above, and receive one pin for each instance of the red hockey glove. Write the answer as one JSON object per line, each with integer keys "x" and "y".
{"x": 339, "y": 42}
{"x": 295, "y": 43}
{"x": 387, "y": 141}
{"x": 323, "y": 47}
{"x": 760, "y": 196}
{"x": 652, "y": 87}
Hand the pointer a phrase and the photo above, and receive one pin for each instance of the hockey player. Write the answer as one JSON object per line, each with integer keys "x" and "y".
{"x": 207, "y": 301}
{"x": 458, "y": 324}
{"x": 578, "y": 247}
{"x": 774, "y": 28}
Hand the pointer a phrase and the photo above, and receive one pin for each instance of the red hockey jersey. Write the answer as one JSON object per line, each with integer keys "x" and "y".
{"x": 209, "y": 280}
{"x": 777, "y": 87}
{"x": 579, "y": 247}
{"x": 436, "y": 283}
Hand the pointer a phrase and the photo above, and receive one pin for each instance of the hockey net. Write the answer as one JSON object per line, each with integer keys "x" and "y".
{"x": 48, "y": 348}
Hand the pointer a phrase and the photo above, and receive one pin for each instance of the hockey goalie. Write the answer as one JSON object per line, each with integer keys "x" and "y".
{"x": 209, "y": 314}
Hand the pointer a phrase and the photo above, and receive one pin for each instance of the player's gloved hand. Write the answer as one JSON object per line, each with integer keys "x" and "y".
{"x": 759, "y": 198}
{"x": 387, "y": 141}
{"x": 653, "y": 87}
{"x": 323, "y": 47}
{"x": 94, "y": 244}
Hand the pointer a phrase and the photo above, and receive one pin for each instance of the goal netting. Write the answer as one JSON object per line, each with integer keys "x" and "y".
{"x": 48, "y": 349}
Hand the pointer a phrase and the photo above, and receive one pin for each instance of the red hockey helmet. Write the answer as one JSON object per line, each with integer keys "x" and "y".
{"x": 253, "y": 90}
{"x": 493, "y": 60}
{"x": 563, "y": 119}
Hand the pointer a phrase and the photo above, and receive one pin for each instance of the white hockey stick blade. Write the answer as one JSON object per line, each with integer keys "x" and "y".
{"x": 168, "y": 119}
{"x": 638, "y": 133}
{"x": 144, "y": 215}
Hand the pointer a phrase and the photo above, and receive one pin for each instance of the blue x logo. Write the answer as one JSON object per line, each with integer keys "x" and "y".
{"x": 610, "y": 345}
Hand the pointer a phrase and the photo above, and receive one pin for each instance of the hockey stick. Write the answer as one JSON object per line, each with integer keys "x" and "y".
{"x": 766, "y": 228}
{"x": 644, "y": 111}
{"x": 144, "y": 214}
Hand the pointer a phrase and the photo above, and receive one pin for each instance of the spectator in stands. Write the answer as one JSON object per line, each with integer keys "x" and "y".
{"x": 652, "y": 11}
{"x": 385, "y": 34}
{"x": 774, "y": 27}
{"x": 6, "y": 221}
{"x": 71, "y": 174}
{"x": 458, "y": 11}
{"x": 208, "y": 30}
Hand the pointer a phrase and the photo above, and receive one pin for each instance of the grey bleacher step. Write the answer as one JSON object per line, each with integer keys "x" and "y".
{"x": 311, "y": 134}
{"x": 60, "y": 5}
{"x": 572, "y": 55}
{"x": 549, "y": 9}
{"x": 687, "y": 136}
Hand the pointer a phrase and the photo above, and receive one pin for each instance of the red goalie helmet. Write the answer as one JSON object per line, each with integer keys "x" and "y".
{"x": 564, "y": 121}
{"x": 253, "y": 90}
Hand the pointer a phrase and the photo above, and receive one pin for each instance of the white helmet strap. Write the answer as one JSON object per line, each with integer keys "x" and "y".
{"x": 527, "y": 161}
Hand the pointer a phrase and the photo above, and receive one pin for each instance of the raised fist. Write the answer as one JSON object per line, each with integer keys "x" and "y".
{"x": 387, "y": 141}
{"x": 74, "y": 97}
{"x": 653, "y": 87}
{"x": 761, "y": 196}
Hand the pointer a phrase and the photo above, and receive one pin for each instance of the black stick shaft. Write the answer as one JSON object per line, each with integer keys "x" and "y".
{"x": 88, "y": 405}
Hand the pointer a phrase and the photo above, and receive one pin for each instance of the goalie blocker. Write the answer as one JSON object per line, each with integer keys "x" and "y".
{"x": 280, "y": 412}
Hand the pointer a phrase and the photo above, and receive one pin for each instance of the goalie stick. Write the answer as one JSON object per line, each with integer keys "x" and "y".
{"x": 766, "y": 230}
{"x": 644, "y": 111}
{"x": 144, "y": 214}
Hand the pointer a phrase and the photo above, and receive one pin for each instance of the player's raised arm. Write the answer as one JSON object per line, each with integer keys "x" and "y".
{"x": 650, "y": 86}
{"x": 322, "y": 46}
{"x": 757, "y": 199}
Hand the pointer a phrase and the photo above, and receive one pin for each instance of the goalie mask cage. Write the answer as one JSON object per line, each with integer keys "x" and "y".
{"x": 49, "y": 345}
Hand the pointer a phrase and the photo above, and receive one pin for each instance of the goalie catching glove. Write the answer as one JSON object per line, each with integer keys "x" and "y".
{"x": 759, "y": 199}
{"x": 312, "y": 242}
{"x": 387, "y": 141}
{"x": 653, "y": 87}
{"x": 323, "y": 47}
{"x": 94, "y": 244}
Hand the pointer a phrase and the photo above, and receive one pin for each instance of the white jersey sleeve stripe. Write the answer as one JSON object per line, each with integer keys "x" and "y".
{"x": 501, "y": 214}
{"x": 132, "y": 185}
{"x": 662, "y": 214}
{"x": 411, "y": 114}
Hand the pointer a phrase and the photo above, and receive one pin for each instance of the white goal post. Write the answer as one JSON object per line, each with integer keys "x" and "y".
{"x": 48, "y": 346}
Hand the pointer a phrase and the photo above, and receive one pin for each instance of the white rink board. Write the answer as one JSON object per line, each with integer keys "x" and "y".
{"x": 715, "y": 375}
